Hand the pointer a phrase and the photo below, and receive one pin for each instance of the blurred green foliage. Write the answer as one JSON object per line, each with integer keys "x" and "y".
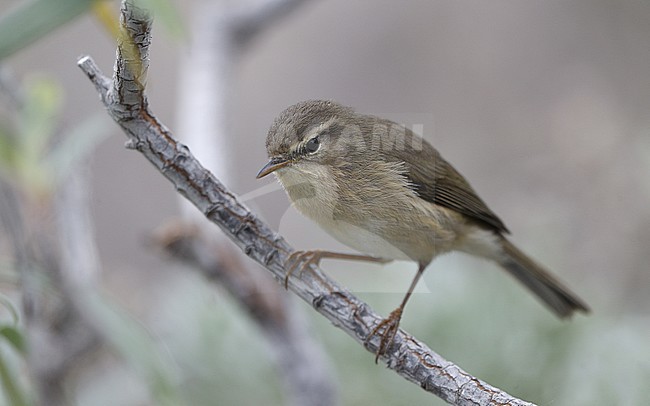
{"x": 128, "y": 338}
{"x": 35, "y": 155}
{"x": 11, "y": 336}
{"x": 32, "y": 20}
{"x": 23, "y": 148}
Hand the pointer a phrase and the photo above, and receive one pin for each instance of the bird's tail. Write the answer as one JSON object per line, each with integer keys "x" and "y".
{"x": 551, "y": 291}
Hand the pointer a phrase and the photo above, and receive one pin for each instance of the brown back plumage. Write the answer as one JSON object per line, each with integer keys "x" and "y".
{"x": 433, "y": 178}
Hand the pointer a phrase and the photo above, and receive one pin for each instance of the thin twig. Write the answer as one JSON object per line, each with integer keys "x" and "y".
{"x": 127, "y": 104}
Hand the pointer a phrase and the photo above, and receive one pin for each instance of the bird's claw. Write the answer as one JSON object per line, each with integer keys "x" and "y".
{"x": 296, "y": 258}
{"x": 389, "y": 325}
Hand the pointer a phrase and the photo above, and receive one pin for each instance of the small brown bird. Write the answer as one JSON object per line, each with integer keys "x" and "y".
{"x": 379, "y": 188}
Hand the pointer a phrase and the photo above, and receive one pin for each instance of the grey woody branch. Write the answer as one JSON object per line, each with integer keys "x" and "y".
{"x": 126, "y": 102}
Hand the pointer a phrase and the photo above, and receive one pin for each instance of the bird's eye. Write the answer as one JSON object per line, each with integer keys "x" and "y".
{"x": 312, "y": 145}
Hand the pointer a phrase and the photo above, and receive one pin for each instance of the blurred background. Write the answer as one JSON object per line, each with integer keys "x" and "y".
{"x": 543, "y": 106}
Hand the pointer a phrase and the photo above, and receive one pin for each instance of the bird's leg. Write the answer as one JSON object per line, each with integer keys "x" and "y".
{"x": 390, "y": 325}
{"x": 307, "y": 258}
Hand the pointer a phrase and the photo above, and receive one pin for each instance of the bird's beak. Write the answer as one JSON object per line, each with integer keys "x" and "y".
{"x": 274, "y": 164}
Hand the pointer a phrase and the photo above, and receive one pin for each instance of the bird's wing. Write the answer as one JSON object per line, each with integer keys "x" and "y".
{"x": 433, "y": 178}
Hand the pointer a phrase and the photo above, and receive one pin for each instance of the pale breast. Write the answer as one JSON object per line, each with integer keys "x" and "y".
{"x": 388, "y": 221}
{"x": 311, "y": 190}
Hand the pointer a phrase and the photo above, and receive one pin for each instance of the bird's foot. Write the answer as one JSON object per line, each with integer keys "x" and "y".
{"x": 389, "y": 325}
{"x": 302, "y": 260}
